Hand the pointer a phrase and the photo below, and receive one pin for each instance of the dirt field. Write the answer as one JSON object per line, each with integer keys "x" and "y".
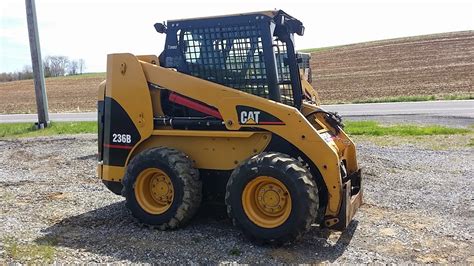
{"x": 440, "y": 64}
{"x": 418, "y": 208}
{"x": 65, "y": 94}
{"x": 427, "y": 65}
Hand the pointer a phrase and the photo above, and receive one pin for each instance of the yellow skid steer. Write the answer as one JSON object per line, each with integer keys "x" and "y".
{"x": 226, "y": 111}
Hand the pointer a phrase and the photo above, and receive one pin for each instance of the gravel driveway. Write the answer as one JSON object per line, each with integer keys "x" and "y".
{"x": 419, "y": 208}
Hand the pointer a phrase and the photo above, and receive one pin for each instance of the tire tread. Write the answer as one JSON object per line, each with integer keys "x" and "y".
{"x": 192, "y": 189}
{"x": 295, "y": 170}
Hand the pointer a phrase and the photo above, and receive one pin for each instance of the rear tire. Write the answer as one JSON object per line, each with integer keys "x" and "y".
{"x": 162, "y": 189}
{"x": 273, "y": 198}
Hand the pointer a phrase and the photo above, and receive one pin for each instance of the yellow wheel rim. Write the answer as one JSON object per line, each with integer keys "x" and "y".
{"x": 154, "y": 191}
{"x": 266, "y": 202}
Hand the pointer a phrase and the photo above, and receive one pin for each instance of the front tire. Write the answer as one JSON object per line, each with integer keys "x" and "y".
{"x": 162, "y": 189}
{"x": 273, "y": 198}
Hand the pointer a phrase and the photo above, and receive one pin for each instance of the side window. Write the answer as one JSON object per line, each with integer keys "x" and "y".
{"x": 237, "y": 56}
{"x": 231, "y": 56}
{"x": 283, "y": 72}
{"x": 191, "y": 45}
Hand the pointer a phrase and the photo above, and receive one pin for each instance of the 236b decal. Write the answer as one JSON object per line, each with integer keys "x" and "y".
{"x": 121, "y": 138}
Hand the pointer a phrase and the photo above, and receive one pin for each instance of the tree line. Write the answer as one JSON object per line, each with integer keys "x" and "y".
{"x": 53, "y": 66}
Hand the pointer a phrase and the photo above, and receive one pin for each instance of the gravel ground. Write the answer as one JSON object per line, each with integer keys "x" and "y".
{"x": 418, "y": 208}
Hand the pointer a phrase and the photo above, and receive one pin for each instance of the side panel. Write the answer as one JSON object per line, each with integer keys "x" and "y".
{"x": 215, "y": 150}
{"x": 128, "y": 117}
{"x": 120, "y": 134}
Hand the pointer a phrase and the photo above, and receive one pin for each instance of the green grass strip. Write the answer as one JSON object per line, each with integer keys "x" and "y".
{"x": 369, "y": 128}
{"x": 372, "y": 128}
{"x": 55, "y": 128}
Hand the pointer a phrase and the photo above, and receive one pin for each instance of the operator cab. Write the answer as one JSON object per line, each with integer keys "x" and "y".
{"x": 252, "y": 52}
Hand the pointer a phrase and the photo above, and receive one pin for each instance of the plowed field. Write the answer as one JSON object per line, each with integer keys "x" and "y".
{"x": 65, "y": 94}
{"x": 439, "y": 64}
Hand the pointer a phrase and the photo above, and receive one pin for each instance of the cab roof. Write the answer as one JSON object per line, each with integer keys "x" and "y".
{"x": 279, "y": 17}
{"x": 268, "y": 13}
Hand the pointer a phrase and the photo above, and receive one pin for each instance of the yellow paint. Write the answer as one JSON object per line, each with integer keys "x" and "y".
{"x": 266, "y": 202}
{"x": 155, "y": 95}
{"x": 128, "y": 86}
{"x": 151, "y": 58}
{"x": 101, "y": 92}
{"x": 207, "y": 133}
{"x": 154, "y": 191}
{"x": 112, "y": 173}
{"x": 218, "y": 150}
{"x": 310, "y": 91}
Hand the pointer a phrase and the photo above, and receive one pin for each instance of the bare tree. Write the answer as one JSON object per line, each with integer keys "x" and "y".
{"x": 27, "y": 73}
{"x": 56, "y": 65}
{"x": 73, "y": 66}
{"x": 63, "y": 64}
{"x": 11, "y": 76}
{"x": 47, "y": 66}
{"x": 82, "y": 65}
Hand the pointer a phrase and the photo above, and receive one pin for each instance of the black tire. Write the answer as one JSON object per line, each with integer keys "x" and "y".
{"x": 300, "y": 185}
{"x": 115, "y": 187}
{"x": 184, "y": 177}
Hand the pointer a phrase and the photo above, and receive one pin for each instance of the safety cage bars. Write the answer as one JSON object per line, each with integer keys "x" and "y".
{"x": 234, "y": 56}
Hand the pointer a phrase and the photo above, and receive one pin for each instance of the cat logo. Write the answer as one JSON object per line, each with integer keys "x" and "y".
{"x": 252, "y": 116}
{"x": 249, "y": 117}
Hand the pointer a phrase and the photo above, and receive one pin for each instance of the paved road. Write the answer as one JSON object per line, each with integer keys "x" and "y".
{"x": 444, "y": 113}
{"x": 402, "y": 111}
{"x": 464, "y": 108}
{"x": 91, "y": 116}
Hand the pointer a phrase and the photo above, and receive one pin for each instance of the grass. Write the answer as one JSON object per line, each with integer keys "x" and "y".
{"x": 55, "y": 128}
{"x": 313, "y": 50}
{"x": 78, "y": 76}
{"x": 81, "y": 76}
{"x": 36, "y": 253}
{"x": 367, "y": 128}
{"x": 471, "y": 142}
{"x": 372, "y": 128}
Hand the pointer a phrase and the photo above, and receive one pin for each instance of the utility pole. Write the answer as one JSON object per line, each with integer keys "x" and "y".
{"x": 37, "y": 63}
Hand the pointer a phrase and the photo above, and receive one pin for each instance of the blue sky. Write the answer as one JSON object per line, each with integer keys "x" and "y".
{"x": 90, "y": 29}
{"x": 12, "y": 49}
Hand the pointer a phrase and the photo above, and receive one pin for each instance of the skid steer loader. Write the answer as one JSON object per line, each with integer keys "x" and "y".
{"x": 226, "y": 110}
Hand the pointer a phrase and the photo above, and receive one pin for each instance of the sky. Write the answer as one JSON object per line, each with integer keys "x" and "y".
{"x": 91, "y": 29}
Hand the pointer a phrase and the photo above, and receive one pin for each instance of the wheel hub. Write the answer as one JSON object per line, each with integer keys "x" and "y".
{"x": 154, "y": 191}
{"x": 266, "y": 201}
{"x": 161, "y": 189}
